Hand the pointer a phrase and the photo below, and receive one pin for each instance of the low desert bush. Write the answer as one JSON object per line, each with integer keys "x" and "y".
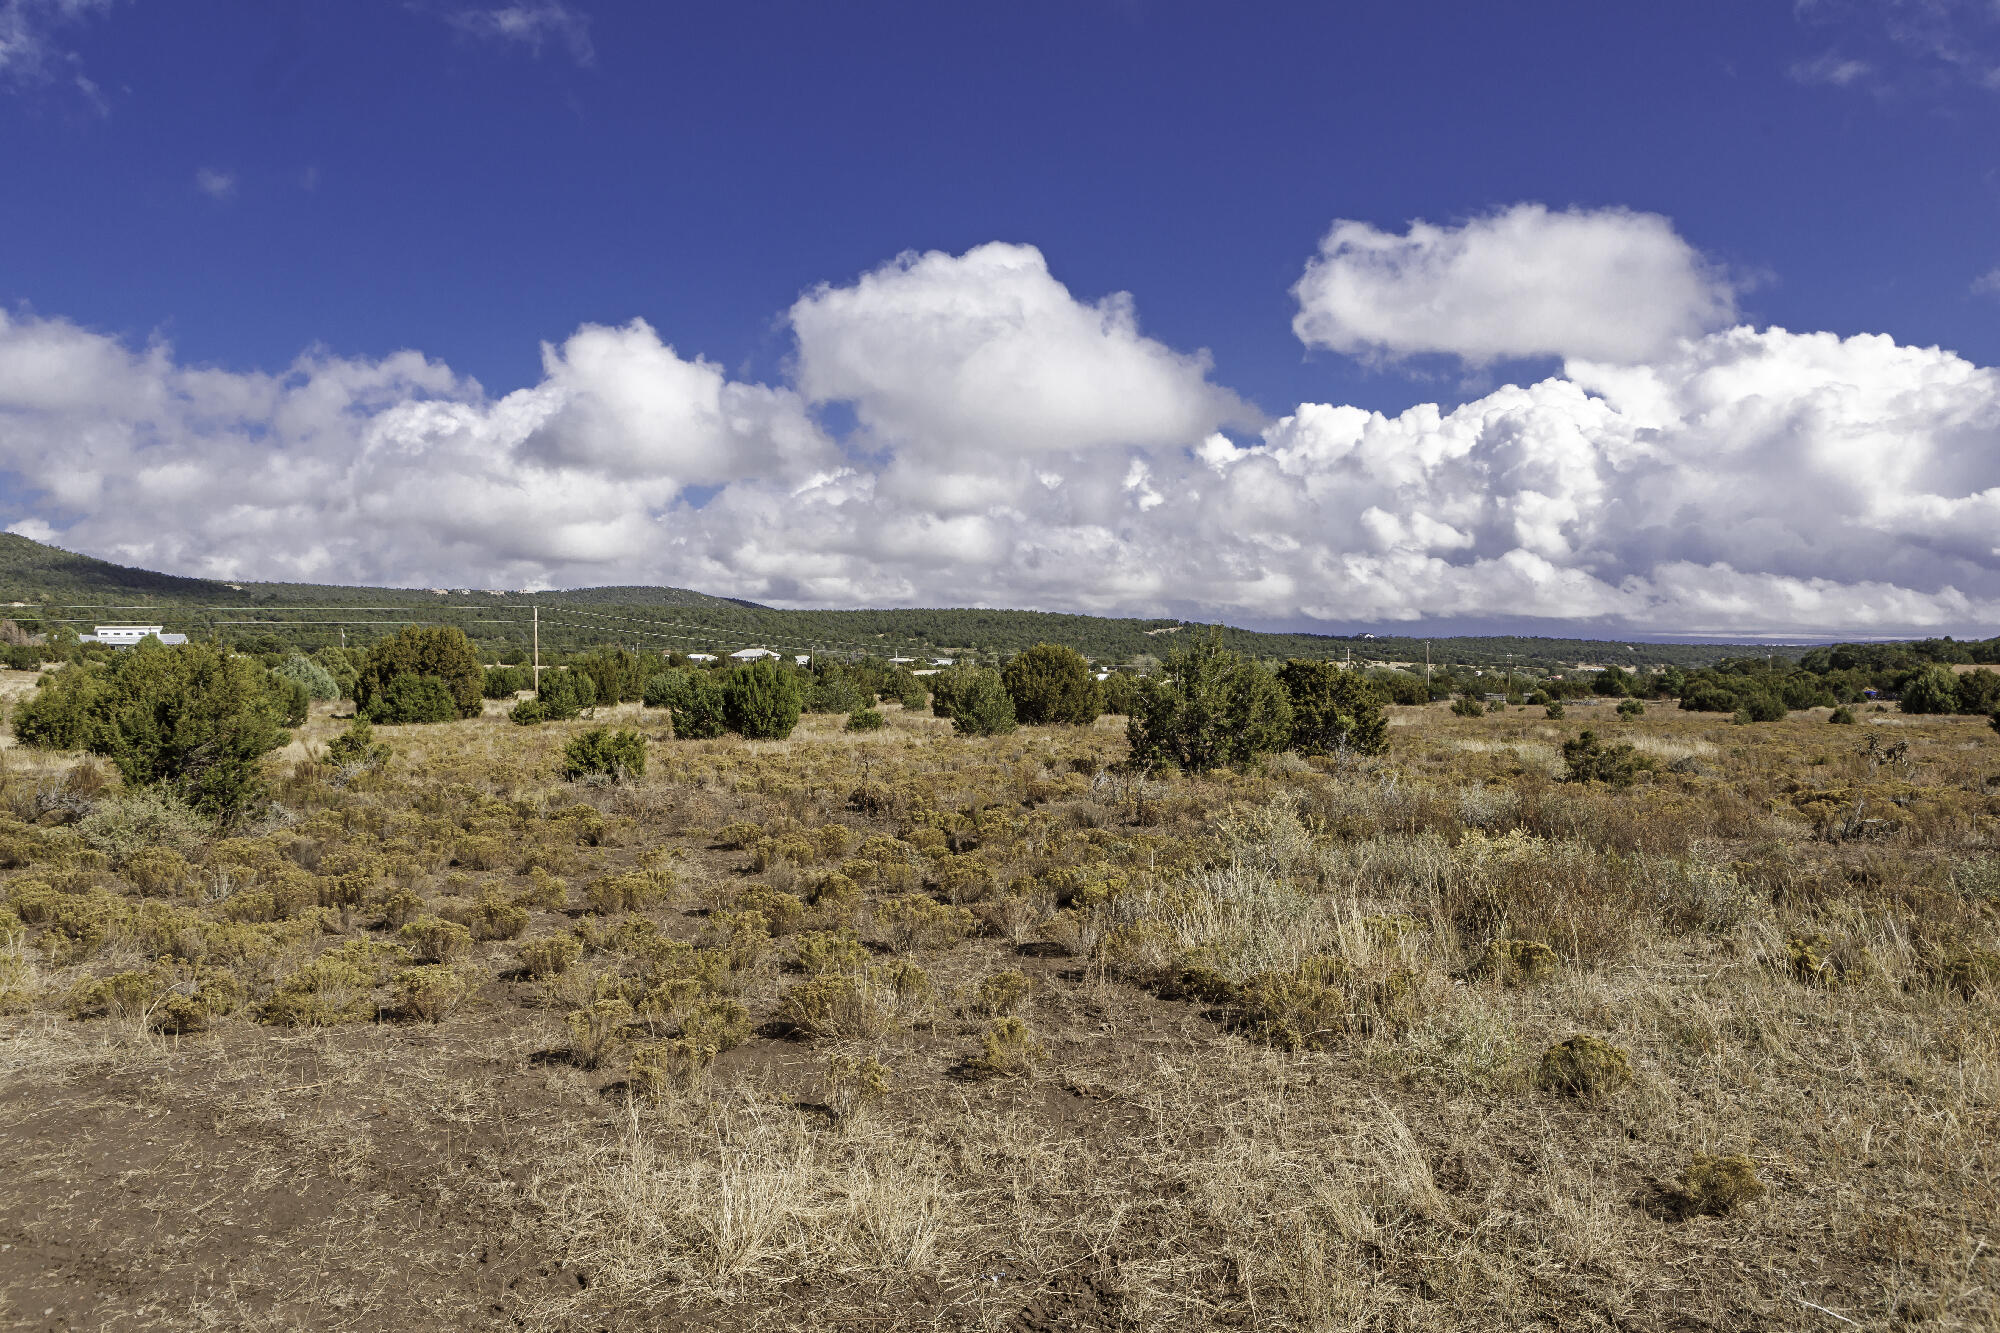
{"x": 1007, "y": 1049}
{"x": 867, "y": 1003}
{"x": 1517, "y": 962}
{"x": 141, "y": 820}
{"x": 1713, "y": 1186}
{"x": 914, "y": 921}
{"x": 549, "y": 956}
{"x": 855, "y": 1084}
{"x": 604, "y": 753}
{"x": 435, "y": 940}
{"x": 818, "y": 952}
{"x": 596, "y": 1030}
{"x": 429, "y": 993}
{"x": 1585, "y": 1067}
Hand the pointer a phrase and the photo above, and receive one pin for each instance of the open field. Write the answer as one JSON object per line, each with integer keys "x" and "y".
{"x": 906, "y": 1030}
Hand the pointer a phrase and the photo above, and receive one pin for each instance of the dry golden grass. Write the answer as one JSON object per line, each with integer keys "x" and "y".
{"x": 1280, "y": 1036}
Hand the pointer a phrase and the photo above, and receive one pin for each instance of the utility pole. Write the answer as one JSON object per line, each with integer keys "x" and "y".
{"x": 537, "y": 669}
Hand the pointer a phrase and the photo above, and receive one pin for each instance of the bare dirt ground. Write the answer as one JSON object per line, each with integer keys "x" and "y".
{"x": 912, "y": 1031}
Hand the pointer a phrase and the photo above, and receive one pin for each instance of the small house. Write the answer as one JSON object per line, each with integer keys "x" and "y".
{"x": 751, "y": 654}
{"x": 128, "y": 636}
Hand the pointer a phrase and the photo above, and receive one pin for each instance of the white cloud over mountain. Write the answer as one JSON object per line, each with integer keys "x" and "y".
{"x": 1018, "y": 446}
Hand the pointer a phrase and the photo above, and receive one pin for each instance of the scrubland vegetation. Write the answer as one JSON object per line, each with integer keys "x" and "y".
{"x": 1248, "y": 1007}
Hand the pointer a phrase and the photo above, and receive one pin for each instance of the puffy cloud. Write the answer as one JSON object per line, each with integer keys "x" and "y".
{"x": 986, "y": 353}
{"x": 1606, "y": 284}
{"x": 215, "y": 183}
{"x": 1743, "y": 481}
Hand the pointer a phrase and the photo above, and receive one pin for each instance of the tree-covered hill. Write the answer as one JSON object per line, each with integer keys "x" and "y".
{"x": 50, "y": 587}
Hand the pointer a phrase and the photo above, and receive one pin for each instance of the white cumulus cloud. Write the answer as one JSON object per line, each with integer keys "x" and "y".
{"x": 1018, "y": 445}
{"x": 1603, "y": 284}
{"x": 987, "y": 353}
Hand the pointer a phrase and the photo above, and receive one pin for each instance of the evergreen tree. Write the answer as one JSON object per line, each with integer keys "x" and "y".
{"x": 1931, "y": 690}
{"x": 701, "y": 712}
{"x": 983, "y": 706}
{"x": 1209, "y": 707}
{"x": 1052, "y": 684}
{"x": 1333, "y": 708}
{"x": 439, "y": 651}
{"x": 761, "y": 701}
{"x": 194, "y": 718}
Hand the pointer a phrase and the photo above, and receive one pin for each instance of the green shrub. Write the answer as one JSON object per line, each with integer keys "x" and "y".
{"x": 340, "y": 663}
{"x": 846, "y": 1005}
{"x": 356, "y": 748}
{"x": 865, "y": 719}
{"x": 528, "y": 713}
{"x": 1584, "y": 1066}
{"x": 409, "y": 700}
{"x": 1121, "y": 693}
{"x": 1002, "y": 993}
{"x": 1334, "y": 709}
{"x": 1466, "y": 706}
{"x": 504, "y": 682}
{"x": 439, "y": 652}
{"x": 983, "y": 706}
{"x": 1554, "y": 711}
{"x": 565, "y": 694}
{"x": 703, "y": 714}
{"x": 947, "y": 685}
{"x": 1051, "y": 684}
{"x": 668, "y": 689}
{"x": 1631, "y": 708}
{"x": 854, "y": 1083}
{"x": 602, "y": 752}
{"x": 1931, "y": 690}
{"x": 1842, "y": 716}
{"x": 916, "y": 921}
{"x": 193, "y": 718}
{"x": 761, "y": 701}
{"x": 833, "y": 688}
{"x": 633, "y": 891}
{"x": 1591, "y": 760}
{"x": 1209, "y": 707}
{"x": 906, "y": 688}
{"x": 317, "y": 681}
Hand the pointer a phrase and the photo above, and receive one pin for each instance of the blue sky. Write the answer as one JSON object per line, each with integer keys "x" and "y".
{"x": 224, "y": 187}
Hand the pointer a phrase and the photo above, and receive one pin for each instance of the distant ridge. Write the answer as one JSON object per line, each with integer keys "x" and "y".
{"x": 31, "y": 571}
{"x": 50, "y": 586}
